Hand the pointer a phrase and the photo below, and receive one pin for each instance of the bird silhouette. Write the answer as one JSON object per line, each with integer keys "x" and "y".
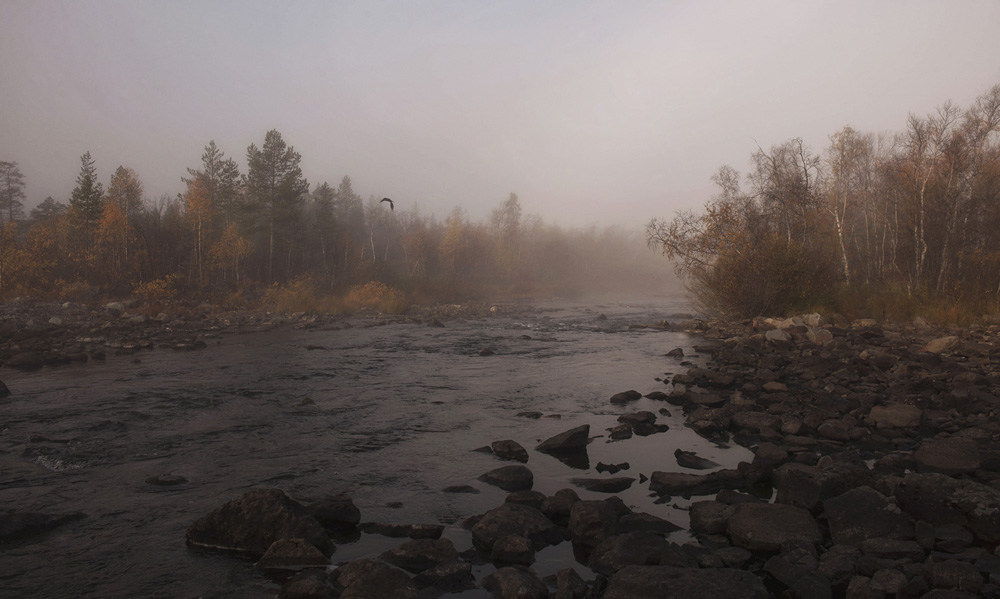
{"x": 391, "y": 207}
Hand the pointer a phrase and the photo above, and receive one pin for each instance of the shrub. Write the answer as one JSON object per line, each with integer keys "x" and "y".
{"x": 377, "y": 296}
{"x": 157, "y": 289}
{"x": 765, "y": 277}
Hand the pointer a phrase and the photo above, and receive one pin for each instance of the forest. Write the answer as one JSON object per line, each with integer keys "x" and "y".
{"x": 263, "y": 236}
{"x": 884, "y": 225}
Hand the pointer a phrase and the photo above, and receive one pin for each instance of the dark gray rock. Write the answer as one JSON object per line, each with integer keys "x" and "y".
{"x": 864, "y": 513}
{"x": 450, "y": 577}
{"x": 557, "y": 508}
{"x": 625, "y": 397}
{"x": 668, "y": 582}
{"x": 509, "y": 450}
{"x": 512, "y": 550}
{"x": 569, "y": 585}
{"x": 710, "y": 517}
{"x": 573, "y": 440}
{"x": 590, "y": 522}
{"x": 684, "y": 483}
{"x": 373, "y": 579}
{"x": 513, "y": 519}
{"x": 892, "y": 549}
{"x": 533, "y": 499}
{"x": 4, "y": 391}
{"x": 308, "y": 584}
{"x": 515, "y": 583}
{"x": 604, "y": 485}
{"x": 510, "y": 478}
{"x": 291, "y": 554}
{"x": 421, "y": 554}
{"x": 940, "y": 499}
{"x": 641, "y": 521}
{"x": 637, "y": 549}
{"x": 336, "y": 512}
{"x": 253, "y": 521}
{"x": 950, "y": 455}
{"x": 765, "y": 526}
{"x": 953, "y": 574}
{"x": 634, "y": 418}
{"x": 688, "y": 459}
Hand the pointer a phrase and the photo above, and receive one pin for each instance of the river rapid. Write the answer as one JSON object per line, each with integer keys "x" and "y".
{"x": 389, "y": 412}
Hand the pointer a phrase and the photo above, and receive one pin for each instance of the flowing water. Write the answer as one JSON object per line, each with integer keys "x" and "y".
{"x": 388, "y": 414}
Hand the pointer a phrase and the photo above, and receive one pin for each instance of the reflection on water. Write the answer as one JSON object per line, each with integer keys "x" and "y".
{"x": 387, "y": 414}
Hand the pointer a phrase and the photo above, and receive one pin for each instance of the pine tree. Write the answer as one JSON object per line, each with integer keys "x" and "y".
{"x": 85, "y": 211}
{"x": 11, "y": 191}
{"x": 275, "y": 189}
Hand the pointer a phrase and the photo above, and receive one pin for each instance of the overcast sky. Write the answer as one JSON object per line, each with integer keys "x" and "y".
{"x": 592, "y": 112}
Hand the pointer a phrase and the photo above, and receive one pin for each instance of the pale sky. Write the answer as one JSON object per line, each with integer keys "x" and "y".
{"x": 592, "y": 112}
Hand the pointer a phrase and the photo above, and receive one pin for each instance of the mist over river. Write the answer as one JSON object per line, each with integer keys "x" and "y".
{"x": 388, "y": 411}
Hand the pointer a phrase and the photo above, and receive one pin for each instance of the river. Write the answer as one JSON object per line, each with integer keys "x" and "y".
{"x": 389, "y": 414}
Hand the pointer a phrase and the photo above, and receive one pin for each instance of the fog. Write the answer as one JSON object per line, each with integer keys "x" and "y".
{"x": 591, "y": 112}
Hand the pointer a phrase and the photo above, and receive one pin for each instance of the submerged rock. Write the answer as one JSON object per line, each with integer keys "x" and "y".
{"x": 509, "y": 450}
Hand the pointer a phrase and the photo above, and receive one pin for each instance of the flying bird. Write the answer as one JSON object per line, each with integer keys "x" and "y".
{"x": 391, "y": 207}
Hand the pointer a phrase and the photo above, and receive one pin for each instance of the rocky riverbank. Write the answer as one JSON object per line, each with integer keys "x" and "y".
{"x": 876, "y": 474}
{"x": 35, "y": 334}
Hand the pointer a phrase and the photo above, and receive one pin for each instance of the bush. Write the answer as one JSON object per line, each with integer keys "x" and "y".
{"x": 157, "y": 289}
{"x": 769, "y": 277}
{"x": 377, "y": 296}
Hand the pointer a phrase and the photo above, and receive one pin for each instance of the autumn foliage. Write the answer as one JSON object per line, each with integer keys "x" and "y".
{"x": 877, "y": 225}
{"x": 263, "y": 238}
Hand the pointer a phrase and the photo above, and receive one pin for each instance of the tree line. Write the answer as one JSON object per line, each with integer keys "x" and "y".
{"x": 247, "y": 232}
{"x": 914, "y": 214}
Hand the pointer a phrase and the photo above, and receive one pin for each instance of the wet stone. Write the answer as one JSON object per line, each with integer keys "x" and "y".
{"x": 509, "y": 478}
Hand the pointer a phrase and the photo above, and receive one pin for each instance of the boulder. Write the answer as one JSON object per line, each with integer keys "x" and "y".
{"x": 533, "y": 499}
{"x": 953, "y": 574}
{"x": 641, "y": 521}
{"x": 421, "y": 554}
{"x": 291, "y": 554}
{"x": 510, "y": 478}
{"x": 252, "y": 522}
{"x": 864, "y": 513}
{"x": 4, "y": 391}
{"x": 669, "y": 582}
{"x": 625, "y": 397}
{"x": 308, "y": 584}
{"x": 765, "y": 526}
{"x": 509, "y": 450}
{"x": 819, "y": 336}
{"x": 896, "y": 415}
{"x": 688, "y": 459}
{"x": 941, "y": 344}
{"x": 450, "y": 577}
{"x": 573, "y": 440}
{"x": 637, "y": 549}
{"x": 336, "y": 512}
{"x": 512, "y": 550}
{"x": 513, "y": 519}
{"x": 949, "y": 455}
{"x": 569, "y": 585}
{"x": 940, "y": 499}
{"x": 710, "y": 517}
{"x": 683, "y": 483}
{"x": 604, "y": 485}
{"x": 590, "y": 522}
{"x": 515, "y": 583}
{"x": 373, "y": 579}
{"x": 557, "y": 508}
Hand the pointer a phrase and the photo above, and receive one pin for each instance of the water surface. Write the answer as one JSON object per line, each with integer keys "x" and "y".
{"x": 388, "y": 414}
